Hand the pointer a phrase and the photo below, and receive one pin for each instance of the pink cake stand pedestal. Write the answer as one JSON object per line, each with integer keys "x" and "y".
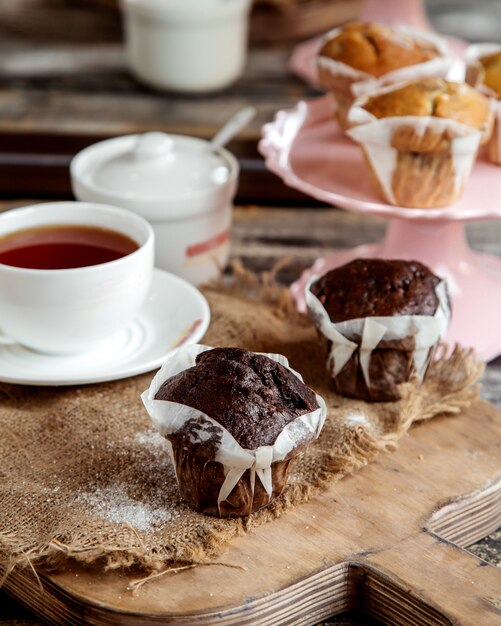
{"x": 306, "y": 148}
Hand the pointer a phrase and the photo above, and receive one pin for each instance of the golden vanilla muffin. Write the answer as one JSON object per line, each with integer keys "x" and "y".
{"x": 420, "y": 139}
{"x": 492, "y": 72}
{"x": 434, "y": 97}
{"x": 360, "y": 53}
{"x": 376, "y": 49}
{"x": 484, "y": 73}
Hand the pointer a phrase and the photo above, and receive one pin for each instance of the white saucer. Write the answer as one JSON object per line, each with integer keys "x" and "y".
{"x": 174, "y": 313}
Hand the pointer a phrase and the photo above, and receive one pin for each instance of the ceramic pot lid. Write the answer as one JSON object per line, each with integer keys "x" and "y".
{"x": 159, "y": 165}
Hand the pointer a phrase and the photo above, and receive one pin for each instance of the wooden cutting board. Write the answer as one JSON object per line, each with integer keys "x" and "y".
{"x": 386, "y": 540}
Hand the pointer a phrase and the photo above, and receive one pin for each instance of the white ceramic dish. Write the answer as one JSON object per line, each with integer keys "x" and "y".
{"x": 175, "y": 313}
{"x": 179, "y": 184}
{"x": 186, "y": 45}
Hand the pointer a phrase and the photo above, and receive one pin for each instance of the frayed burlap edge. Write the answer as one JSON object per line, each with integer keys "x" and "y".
{"x": 360, "y": 448}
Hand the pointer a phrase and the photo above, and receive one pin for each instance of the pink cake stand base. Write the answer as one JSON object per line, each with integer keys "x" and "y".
{"x": 305, "y": 147}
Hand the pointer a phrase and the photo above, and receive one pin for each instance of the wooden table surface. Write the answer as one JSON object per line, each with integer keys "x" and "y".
{"x": 263, "y": 235}
{"x": 64, "y": 84}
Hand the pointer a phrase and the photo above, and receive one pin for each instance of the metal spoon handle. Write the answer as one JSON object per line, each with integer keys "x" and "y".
{"x": 232, "y": 127}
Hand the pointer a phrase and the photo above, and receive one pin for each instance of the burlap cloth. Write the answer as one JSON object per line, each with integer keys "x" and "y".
{"x": 83, "y": 476}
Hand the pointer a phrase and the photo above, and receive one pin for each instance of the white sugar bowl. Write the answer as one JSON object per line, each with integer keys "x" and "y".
{"x": 181, "y": 185}
{"x": 189, "y": 46}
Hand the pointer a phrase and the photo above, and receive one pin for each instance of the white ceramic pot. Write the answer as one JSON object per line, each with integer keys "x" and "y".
{"x": 67, "y": 311}
{"x": 179, "y": 184}
{"x": 186, "y": 45}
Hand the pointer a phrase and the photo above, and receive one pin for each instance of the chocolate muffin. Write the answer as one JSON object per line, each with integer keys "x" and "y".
{"x": 375, "y": 287}
{"x": 235, "y": 406}
{"x": 369, "y": 359}
{"x": 253, "y": 397}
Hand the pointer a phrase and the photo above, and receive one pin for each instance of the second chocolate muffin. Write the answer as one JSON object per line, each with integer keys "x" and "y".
{"x": 381, "y": 353}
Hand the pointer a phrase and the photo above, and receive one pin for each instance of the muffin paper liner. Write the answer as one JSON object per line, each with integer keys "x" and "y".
{"x": 474, "y": 69}
{"x": 170, "y": 417}
{"x": 475, "y": 78}
{"x": 376, "y": 136}
{"x": 362, "y": 82}
{"x": 366, "y": 333}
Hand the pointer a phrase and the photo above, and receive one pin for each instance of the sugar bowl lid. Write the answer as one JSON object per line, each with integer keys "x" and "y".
{"x": 152, "y": 166}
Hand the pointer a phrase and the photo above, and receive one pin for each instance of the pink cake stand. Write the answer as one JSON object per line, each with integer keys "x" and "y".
{"x": 306, "y": 148}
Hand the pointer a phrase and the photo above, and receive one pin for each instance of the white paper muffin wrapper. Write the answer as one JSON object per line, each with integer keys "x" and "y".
{"x": 170, "y": 417}
{"x": 362, "y": 82}
{"x": 474, "y": 76}
{"x": 366, "y": 333}
{"x": 375, "y": 135}
{"x": 476, "y": 51}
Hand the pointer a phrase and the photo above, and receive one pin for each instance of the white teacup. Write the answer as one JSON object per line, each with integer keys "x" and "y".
{"x": 67, "y": 311}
